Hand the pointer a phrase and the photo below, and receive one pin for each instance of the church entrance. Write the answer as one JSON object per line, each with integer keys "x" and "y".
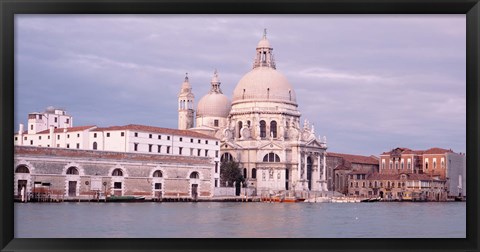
{"x": 309, "y": 172}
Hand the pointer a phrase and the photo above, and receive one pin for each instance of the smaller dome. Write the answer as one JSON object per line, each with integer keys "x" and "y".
{"x": 214, "y": 104}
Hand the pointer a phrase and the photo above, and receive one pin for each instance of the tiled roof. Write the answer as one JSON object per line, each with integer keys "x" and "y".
{"x": 434, "y": 150}
{"x": 108, "y": 155}
{"x": 144, "y": 128}
{"x": 71, "y": 129}
{"x": 355, "y": 158}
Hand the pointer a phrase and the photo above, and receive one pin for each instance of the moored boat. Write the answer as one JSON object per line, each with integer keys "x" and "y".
{"x": 125, "y": 198}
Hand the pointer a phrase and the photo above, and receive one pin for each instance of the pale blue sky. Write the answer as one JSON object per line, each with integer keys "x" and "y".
{"x": 369, "y": 83}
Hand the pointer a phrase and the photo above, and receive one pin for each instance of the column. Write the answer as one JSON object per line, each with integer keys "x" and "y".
{"x": 305, "y": 166}
{"x": 324, "y": 176}
{"x": 319, "y": 171}
{"x": 299, "y": 165}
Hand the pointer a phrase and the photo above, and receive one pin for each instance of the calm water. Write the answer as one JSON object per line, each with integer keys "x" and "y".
{"x": 212, "y": 219}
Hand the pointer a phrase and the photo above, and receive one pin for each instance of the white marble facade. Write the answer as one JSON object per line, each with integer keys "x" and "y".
{"x": 261, "y": 129}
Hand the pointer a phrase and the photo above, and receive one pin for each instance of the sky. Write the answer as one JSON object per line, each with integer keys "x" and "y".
{"x": 369, "y": 83}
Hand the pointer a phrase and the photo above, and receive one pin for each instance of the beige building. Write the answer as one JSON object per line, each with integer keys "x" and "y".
{"x": 61, "y": 174}
{"x": 261, "y": 128}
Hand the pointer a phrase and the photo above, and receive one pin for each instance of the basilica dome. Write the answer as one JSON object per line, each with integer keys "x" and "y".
{"x": 215, "y": 103}
{"x": 264, "y": 83}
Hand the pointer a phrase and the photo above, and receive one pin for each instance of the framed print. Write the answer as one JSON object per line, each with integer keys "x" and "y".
{"x": 223, "y": 125}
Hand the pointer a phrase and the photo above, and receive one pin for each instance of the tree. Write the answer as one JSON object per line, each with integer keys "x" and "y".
{"x": 230, "y": 172}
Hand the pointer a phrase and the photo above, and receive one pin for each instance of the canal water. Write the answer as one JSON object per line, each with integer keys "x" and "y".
{"x": 242, "y": 220}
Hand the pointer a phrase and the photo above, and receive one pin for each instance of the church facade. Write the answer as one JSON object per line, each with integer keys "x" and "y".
{"x": 260, "y": 128}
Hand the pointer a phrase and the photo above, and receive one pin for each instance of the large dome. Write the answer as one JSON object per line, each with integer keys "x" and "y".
{"x": 214, "y": 104}
{"x": 264, "y": 83}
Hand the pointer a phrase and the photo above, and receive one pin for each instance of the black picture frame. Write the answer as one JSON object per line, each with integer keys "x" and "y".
{"x": 11, "y": 7}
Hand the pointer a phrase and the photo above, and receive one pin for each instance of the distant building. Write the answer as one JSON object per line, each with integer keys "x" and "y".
{"x": 404, "y": 174}
{"x": 434, "y": 162}
{"x": 340, "y": 165}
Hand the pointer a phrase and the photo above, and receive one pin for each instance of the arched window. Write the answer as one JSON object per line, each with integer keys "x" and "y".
{"x": 273, "y": 128}
{"x": 226, "y": 157}
{"x": 157, "y": 174}
{"x": 194, "y": 175}
{"x": 72, "y": 171}
{"x": 245, "y": 172}
{"x": 117, "y": 172}
{"x": 22, "y": 169}
{"x": 94, "y": 145}
{"x": 263, "y": 129}
{"x": 271, "y": 157}
{"x": 240, "y": 125}
{"x": 254, "y": 173}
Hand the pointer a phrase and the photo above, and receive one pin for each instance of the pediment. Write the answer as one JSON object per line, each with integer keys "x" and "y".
{"x": 231, "y": 145}
{"x": 271, "y": 146}
{"x": 314, "y": 143}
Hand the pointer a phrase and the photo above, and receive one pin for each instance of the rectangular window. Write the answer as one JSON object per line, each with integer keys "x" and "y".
{"x": 159, "y": 148}
{"x": 181, "y": 139}
{"x": 135, "y": 146}
{"x": 216, "y": 167}
{"x": 198, "y": 152}
{"x": 58, "y": 137}
{"x": 136, "y": 134}
{"x": 150, "y": 148}
{"x": 68, "y": 120}
{"x": 168, "y": 149}
{"x": 58, "y": 145}
{"x": 215, "y": 123}
{"x": 180, "y": 150}
{"x": 158, "y": 186}
{"x": 206, "y": 141}
{"x": 122, "y": 134}
{"x": 40, "y": 117}
{"x": 55, "y": 119}
{"x": 149, "y": 135}
{"x": 198, "y": 140}
{"x": 191, "y": 152}
{"x": 159, "y": 136}
{"x": 206, "y": 153}
{"x": 68, "y": 146}
{"x": 68, "y": 135}
{"x": 31, "y": 142}
{"x": 216, "y": 143}
{"x": 117, "y": 185}
{"x": 216, "y": 153}
{"x": 216, "y": 182}
{"x": 191, "y": 140}
{"x": 94, "y": 135}
{"x": 48, "y": 137}
{"x": 78, "y": 146}
{"x": 16, "y": 138}
{"x": 39, "y": 137}
{"x": 78, "y": 135}
{"x": 108, "y": 134}
{"x": 25, "y": 138}
{"x": 31, "y": 127}
{"x": 168, "y": 137}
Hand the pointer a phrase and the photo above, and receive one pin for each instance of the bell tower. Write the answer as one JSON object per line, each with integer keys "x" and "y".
{"x": 185, "y": 105}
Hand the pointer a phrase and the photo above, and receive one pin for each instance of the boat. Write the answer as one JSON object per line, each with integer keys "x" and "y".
{"x": 125, "y": 198}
